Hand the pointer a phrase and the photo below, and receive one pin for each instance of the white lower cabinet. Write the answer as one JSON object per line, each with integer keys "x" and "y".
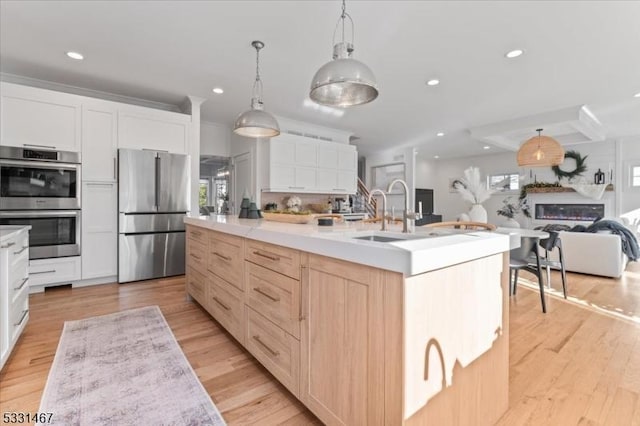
{"x": 99, "y": 230}
{"x": 14, "y": 291}
{"x": 60, "y": 270}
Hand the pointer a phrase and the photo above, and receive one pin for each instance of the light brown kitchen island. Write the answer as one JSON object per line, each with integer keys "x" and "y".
{"x": 413, "y": 331}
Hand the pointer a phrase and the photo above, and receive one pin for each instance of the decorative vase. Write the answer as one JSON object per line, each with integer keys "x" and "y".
{"x": 511, "y": 223}
{"x": 477, "y": 213}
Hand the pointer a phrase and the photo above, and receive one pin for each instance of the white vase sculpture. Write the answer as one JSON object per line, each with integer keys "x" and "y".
{"x": 477, "y": 213}
{"x": 511, "y": 223}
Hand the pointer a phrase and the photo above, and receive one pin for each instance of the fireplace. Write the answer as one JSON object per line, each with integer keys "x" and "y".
{"x": 569, "y": 212}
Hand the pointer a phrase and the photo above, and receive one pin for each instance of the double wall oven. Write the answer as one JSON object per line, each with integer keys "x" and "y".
{"x": 42, "y": 188}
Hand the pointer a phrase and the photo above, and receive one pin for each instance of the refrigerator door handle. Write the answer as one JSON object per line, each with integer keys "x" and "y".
{"x": 158, "y": 164}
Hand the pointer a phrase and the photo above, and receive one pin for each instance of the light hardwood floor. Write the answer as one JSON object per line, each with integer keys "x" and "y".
{"x": 577, "y": 365}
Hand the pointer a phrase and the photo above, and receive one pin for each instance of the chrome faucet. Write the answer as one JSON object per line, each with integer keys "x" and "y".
{"x": 384, "y": 206}
{"x": 408, "y": 214}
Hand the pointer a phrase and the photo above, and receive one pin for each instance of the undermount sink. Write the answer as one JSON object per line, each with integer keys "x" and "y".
{"x": 379, "y": 238}
{"x": 389, "y": 237}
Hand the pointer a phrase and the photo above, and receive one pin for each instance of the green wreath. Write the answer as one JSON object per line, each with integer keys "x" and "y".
{"x": 579, "y": 169}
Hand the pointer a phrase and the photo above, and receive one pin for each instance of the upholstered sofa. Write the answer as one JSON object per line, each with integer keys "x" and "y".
{"x": 589, "y": 253}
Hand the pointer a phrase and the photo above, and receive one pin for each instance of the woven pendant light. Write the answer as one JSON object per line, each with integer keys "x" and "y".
{"x": 540, "y": 151}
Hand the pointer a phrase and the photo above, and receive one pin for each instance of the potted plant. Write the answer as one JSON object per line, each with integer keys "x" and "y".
{"x": 510, "y": 209}
{"x": 474, "y": 190}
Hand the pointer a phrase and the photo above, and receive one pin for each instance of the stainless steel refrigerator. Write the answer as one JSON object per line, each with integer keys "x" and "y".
{"x": 153, "y": 198}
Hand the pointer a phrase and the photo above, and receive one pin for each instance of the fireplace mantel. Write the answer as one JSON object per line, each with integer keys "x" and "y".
{"x": 552, "y": 189}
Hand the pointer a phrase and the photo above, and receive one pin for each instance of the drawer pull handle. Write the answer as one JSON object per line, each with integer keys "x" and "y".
{"x": 196, "y": 233}
{"x": 39, "y": 146}
{"x": 339, "y": 189}
{"x": 219, "y": 302}
{"x": 24, "y": 281}
{"x": 265, "y": 294}
{"x": 221, "y": 256}
{"x": 195, "y": 256}
{"x": 8, "y": 245}
{"x": 21, "y": 250}
{"x": 264, "y": 345}
{"x": 259, "y": 253}
{"x": 24, "y": 315}
{"x": 52, "y": 271}
{"x": 99, "y": 184}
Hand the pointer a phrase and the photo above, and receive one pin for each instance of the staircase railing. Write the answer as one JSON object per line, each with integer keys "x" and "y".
{"x": 370, "y": 207}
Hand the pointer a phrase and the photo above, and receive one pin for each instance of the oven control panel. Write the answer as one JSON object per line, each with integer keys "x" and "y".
{"x": 40, "y": 155}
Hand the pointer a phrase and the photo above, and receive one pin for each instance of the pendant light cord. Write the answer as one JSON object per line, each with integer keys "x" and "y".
{"x": 539, "y": 135}
{"x": 341, "y": 20}
{"x": 257, "y": 85}
{"x": 344, "y": 14}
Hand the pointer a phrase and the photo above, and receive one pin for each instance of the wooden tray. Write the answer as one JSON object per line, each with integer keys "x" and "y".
{"x": 298, "y": 218}
{"x": 288, "y": 218}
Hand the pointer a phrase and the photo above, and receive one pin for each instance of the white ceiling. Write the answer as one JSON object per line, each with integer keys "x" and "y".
{"x": 577, "y": 53}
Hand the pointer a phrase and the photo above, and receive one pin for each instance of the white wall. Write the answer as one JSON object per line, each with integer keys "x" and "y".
{"x": 450, "y": 204}
{"x": 406, "y": 156}
{"x": 628, "y": 155}
{"x": 215, "y": 139}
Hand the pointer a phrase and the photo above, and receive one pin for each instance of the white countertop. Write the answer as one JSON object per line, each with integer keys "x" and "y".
{"x": 9, "y": 231}
{"x": 425, "y": 250}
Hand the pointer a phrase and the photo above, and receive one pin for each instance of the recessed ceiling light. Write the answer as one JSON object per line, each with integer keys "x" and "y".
{"x": 218, "y": 90}
{"x": 514, "y": 53}
{"x": 75, "y": 55}
{"x": 433, "y": 82}
{"x": 439, "y": 134}
{"x": 637, "y": 95}
{"x": 436, "y": 156}
{"x": 486, "y": 147}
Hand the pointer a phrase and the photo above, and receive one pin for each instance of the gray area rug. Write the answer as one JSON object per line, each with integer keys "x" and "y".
{"x": 124, "y": 369}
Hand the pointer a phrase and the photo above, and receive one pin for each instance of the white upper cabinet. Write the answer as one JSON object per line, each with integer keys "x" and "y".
{"x": 328, "y": 157}
{"x": 142, "y": 128}
{"x": 37, "y": 118}
{"x": 99, "y": 142}
{"x": 306, "y": 153}
{"x": 301, "y": 164}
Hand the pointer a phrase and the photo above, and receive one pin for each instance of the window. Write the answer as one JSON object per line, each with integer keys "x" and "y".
{"x": 203, "y": 198}
{"x": 504, "y": 182}
{"x": 635, "y": 176}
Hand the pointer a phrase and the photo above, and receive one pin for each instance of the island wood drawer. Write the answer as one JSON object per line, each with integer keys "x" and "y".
{"x": 197, "y": 234}
{"x": 275, "y": 296}
{"x": 197, "y": 255}
{"x": 277, "y": 350}
{"x": 196, "y": 286}
{"x": 277, "y": 258}
{"x": 226, "y": 257}
{"x": 225, "y": 304}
